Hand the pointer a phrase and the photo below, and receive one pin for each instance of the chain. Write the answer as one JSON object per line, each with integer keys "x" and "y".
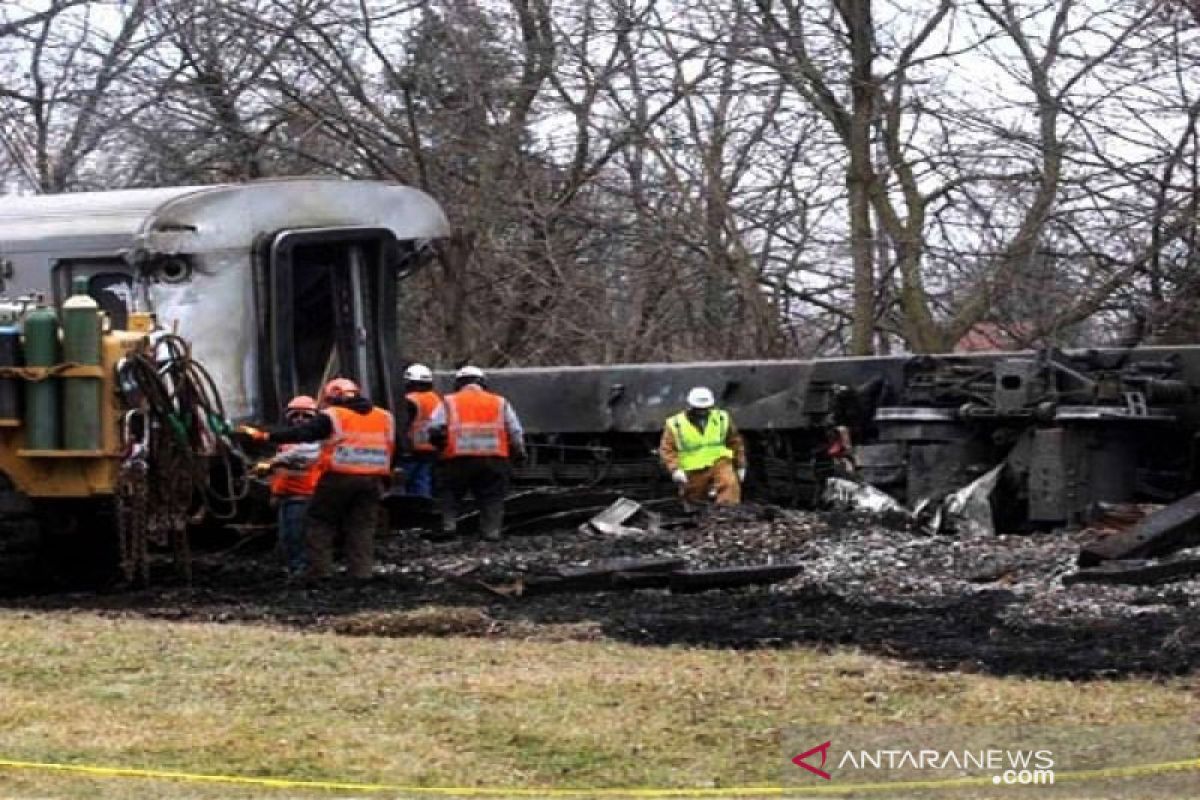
{"x": 133, "y": 519}
{"x": 154, "y": 492}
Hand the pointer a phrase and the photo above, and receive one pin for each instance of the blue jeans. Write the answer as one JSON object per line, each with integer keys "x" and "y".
{"x": 418, "y": 476}
{"x": 292, "y": 511}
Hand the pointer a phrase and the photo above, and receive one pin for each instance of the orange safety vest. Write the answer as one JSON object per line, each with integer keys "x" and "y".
{"x": 298, "y": 481}
{"x": 361, "y": 444}
{"x": 426, "y": 403}
{"x": 475, "y": 424}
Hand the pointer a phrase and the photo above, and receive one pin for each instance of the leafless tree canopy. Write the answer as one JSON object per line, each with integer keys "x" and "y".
{"x": 634, "y": 180}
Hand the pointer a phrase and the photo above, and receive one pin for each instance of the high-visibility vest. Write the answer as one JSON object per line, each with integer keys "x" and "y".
{"x": 361, "y": 444}
{"x": 475, "y": 424}
{"x": 297, "y": 479}
{"x": 426, "y": 403}
{"x": 700, "y": 449}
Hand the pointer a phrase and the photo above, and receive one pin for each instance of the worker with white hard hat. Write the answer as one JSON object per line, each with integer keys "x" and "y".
{"x": 419, "y": 455}
{"x": 479, "y": 434}
{"x": 703, "y": 451}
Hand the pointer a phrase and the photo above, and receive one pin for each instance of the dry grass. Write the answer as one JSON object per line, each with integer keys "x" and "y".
{"x": 462, "y": 710}
{"x": 460, "y": 621}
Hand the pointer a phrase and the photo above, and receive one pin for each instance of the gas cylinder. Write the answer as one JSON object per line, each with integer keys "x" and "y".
{"x": 10, "y": 356}
{"x": 81, "y": 345}
{"x": 41, "y": 397}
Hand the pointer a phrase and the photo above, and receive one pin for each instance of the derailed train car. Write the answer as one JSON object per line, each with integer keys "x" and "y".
{"x": 263, "y": 291}
{"x": 1075, "y": 430}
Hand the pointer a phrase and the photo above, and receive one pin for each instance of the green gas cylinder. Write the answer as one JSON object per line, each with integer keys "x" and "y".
{"x": 81, "y": 345}
{"x": 41, "y": 397}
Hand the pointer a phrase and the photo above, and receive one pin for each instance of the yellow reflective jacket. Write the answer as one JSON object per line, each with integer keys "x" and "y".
{"x": 700, "y": 449}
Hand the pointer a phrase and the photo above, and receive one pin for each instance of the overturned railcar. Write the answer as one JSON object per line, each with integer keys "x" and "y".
{"x": 1075, "y": 429}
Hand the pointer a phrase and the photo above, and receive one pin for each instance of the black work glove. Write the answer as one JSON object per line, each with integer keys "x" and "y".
{"x": 437, "y": 437}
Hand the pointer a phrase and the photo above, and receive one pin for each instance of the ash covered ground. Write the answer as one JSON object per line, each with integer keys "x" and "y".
{"x": 992, "y": 604}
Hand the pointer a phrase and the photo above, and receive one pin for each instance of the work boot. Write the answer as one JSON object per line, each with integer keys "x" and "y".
{"x": 449, "y": 525}
{"x": 491, "y": 519}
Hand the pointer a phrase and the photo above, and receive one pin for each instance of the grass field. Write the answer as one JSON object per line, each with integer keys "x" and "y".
{"x": 457, "y": 711}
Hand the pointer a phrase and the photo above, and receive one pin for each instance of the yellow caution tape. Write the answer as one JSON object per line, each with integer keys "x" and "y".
{"x": 493, "y": 791}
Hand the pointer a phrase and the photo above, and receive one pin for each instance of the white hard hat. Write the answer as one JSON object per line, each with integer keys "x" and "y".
{"x": 469, "y": 372}
{"x": 700, "y": 397}
{"x": 418, "y": 373}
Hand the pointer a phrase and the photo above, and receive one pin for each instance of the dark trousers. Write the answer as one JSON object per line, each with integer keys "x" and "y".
{"x": 292, "y": 512}
{"x": 484, "y": 478}
{"x": 418, "y": 476}
{"x": 347, "y": 504}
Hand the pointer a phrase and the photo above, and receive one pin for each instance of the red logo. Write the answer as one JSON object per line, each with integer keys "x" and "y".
{"x": 823, "y": 749}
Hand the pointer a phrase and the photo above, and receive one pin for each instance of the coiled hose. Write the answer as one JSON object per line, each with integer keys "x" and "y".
{"x": 182, "y": 412}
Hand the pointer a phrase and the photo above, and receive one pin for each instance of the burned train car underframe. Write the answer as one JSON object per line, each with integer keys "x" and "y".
{"x": 1074, "y": 429}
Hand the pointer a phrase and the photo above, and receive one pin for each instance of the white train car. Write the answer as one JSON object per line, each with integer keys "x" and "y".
{"x": 278, "y": 283}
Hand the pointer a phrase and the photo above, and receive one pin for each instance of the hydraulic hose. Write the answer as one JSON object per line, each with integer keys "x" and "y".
{"x": 188, "y": 426}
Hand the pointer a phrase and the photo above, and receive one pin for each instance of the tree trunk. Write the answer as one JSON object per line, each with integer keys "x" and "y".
{"x": 861, "y": 174}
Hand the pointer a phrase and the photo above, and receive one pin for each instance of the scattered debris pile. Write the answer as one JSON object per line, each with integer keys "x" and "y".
{"x": 645, "y": 556}
{"x": 631, "y": 572}
{"x": 1142, "y": 545}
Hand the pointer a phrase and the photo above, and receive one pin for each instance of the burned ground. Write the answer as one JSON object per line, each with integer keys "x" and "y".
{"x": 993, "y": 604}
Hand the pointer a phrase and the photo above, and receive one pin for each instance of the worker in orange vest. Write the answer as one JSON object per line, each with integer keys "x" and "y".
{"x": 420, "y": 455}
{"x": 479, "y": 433}
{"x": 296, "y": 468}
{"x": 358, "y": 442}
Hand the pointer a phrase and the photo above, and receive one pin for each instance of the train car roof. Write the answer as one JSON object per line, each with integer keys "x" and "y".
{"x": 221, "y": 216}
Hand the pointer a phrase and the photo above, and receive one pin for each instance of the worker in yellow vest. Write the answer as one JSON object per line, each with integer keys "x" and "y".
{"x": 704, "y": 452}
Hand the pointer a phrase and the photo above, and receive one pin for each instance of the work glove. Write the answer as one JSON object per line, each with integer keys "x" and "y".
{"x": 679, "y": 476}
{"x": 741, "y": 473}
{"x": 253, "y": 434}
{"x": 438, "y": 436}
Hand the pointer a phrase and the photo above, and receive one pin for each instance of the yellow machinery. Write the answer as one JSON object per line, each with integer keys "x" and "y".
{"x": 115, "y": 447}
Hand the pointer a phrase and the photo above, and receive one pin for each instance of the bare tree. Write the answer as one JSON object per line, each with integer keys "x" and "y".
{"x": 60, "y": 115}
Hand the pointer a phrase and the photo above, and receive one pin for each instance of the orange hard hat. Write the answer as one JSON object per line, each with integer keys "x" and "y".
{"x": 302, "y": 402}
{"x": 340, "y": 387}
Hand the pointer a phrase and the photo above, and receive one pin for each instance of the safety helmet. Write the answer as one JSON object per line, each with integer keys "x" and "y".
{"x": 302, "y": 402}
{"x": 418, "y": 373}
{"x": 469, "y": 372}
{"x": 700, "y": 397}
{"x": 340, "y": 387}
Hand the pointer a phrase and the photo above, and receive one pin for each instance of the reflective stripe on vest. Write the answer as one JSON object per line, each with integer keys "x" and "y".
{"x": 298, "y": 481}
{"x": 361, "y": 444}
{"x": 700, "y": 449}
{"x": 426, "y": 403}
{"x": 475, "y": 424}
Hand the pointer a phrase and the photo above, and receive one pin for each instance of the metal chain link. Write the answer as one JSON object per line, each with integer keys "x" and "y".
{"x": 133, "y": 521}
{"x": 154, "y": 494}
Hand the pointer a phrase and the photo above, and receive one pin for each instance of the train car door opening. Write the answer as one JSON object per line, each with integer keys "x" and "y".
{"x": 328, "y": 307}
